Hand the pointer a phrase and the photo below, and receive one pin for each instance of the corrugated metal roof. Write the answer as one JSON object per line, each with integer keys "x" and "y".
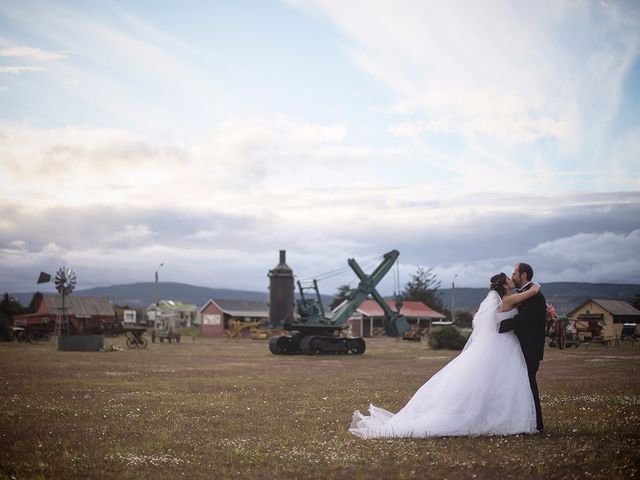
{"x": 616, "y": 307}
{"x": 248, "y": 313}
{"x": 410, "y": 309}
{"x": 80, "y": 307}
{"x": 176, "y": 306}
{"x": 242, "y": 308}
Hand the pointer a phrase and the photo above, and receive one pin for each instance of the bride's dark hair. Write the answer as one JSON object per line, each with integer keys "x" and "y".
{"x": 499, "y": 283}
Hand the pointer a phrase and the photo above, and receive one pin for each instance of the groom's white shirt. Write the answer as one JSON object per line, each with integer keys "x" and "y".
{"x": 524, "y": 287}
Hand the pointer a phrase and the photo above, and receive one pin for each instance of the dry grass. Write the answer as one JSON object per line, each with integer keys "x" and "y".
{"x": 230, "y": 409}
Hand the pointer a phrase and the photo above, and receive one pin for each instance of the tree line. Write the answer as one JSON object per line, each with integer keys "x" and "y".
{"x": 10, "y": 307}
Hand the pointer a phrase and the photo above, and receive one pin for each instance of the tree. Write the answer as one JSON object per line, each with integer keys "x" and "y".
{"x": 9, "y": 307}
{"x": 340, "y": 296}
{"x": 35, "y": 301}
{"x": 423, "y": 287}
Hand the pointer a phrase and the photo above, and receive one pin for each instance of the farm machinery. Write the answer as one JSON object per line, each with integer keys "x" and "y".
{"x": 308, "y": 330}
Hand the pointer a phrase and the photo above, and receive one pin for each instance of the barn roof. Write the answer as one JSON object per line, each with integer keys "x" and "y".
{"x": 80, "y": 307}
{"x": 410, "y": 309}
{"x": 614, "y": 307}
{"x": 617, "y": 307}
{"x": 241, "y": 308}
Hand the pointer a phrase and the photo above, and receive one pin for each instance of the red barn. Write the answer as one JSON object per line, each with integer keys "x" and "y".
{"x": 368, "y": 319}
{"x": 85, "y": 314}
{"x": 217, "y": 313}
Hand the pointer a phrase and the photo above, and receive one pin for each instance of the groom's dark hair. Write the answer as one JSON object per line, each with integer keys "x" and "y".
{"x": 526, "y": 269}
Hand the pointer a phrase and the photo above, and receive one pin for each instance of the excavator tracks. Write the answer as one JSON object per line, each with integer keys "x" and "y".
{"x": 316, "y": 345}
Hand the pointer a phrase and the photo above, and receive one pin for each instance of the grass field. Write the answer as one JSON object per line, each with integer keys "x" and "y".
{"x": 229, "y": 409}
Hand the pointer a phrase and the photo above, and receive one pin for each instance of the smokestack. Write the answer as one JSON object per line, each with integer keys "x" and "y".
{"x": 281, "y": 297}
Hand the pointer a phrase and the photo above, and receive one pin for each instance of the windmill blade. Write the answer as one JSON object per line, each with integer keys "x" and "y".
{"x": 44, "y": 277}
{"x": 65, "y": 280}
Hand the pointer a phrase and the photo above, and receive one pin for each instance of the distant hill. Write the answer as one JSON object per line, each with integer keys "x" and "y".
{"x": 563, "y": 295}
{"x": 144, "y": 294}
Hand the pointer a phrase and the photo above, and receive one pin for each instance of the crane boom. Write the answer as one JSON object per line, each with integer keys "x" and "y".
{"x": 367, "y": 287}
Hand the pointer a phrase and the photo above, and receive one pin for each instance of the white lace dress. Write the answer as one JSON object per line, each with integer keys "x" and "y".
{"x": 483, "y": 391}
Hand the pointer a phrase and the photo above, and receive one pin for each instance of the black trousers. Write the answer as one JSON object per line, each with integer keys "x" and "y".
{"x": 532, "y": 369}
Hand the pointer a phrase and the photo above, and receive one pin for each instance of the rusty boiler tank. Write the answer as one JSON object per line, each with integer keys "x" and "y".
{"x": 281, "y": 294}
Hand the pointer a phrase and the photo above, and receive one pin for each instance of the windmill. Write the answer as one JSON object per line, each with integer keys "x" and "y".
{"x": 65, "y": 282}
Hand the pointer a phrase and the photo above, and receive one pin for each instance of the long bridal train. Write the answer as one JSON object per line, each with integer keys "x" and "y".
{"x": 483, "y": 391}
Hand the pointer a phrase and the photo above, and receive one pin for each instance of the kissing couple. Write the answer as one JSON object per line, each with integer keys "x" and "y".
{"x": 490, "y": 387}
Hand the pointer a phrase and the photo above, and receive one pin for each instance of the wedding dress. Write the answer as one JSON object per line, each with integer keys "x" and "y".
{"x": 483, "y": 391}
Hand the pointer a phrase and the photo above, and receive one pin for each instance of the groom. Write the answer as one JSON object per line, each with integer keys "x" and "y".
{"x": 529, "y": 327}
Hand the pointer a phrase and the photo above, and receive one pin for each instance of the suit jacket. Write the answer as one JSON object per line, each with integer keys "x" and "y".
{"x": 529, "y": 326}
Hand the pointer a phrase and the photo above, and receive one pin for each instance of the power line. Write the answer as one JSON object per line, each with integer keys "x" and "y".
{"x": 365, "y": 264}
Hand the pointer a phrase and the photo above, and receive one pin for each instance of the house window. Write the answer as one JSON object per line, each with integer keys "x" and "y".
{"x": 210, "y": 319}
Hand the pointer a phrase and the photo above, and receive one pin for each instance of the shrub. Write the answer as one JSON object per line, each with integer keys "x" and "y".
{"x": 448, "y": 338}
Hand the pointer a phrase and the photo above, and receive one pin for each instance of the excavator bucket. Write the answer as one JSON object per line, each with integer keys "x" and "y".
{"x": 396, "y": 327}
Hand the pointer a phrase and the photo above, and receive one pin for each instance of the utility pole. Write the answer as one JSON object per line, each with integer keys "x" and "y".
{"x": 155, "y": 320}
{"x": 453, "y": 299}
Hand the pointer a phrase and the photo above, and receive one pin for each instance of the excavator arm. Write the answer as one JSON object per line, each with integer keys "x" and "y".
{"x": 394, "y": 323}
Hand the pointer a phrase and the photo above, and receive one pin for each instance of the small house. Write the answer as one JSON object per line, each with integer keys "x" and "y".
{"x": 368, "y": 319}
{"x": 174, "y": 313}
{"x": 603, "y": 317}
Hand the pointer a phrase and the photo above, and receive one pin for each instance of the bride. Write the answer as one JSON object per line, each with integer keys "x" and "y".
{"x": 483, "y": 391}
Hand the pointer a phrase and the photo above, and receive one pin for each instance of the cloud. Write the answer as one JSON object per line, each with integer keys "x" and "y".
{"x": 589, "y": 237}
{"x": 119, "y": 167}
{"x": 605, "y": 256}
{"x": 120, "y": 67}
{"x": 16, "y": 70}
{"x": 513, "y": 85}
{"x": 31, "y": 52}
{"x": 507, "y": 117}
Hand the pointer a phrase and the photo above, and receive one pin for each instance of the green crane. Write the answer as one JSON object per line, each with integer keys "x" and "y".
{"x": 311, "y": 332}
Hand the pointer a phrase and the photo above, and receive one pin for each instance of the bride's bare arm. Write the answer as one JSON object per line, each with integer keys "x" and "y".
{"x": 510, "y": 301}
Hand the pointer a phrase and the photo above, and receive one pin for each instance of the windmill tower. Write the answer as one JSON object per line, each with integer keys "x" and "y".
{"x": 65, "y": 282}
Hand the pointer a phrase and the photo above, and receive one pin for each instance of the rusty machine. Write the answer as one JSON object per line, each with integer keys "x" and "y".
{"x": 307, "y": 329}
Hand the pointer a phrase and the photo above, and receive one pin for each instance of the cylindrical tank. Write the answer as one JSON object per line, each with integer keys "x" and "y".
{"x": 281, "y": 298}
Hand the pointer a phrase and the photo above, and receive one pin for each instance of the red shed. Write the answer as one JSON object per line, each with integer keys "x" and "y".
{"x": 368, "y": 319}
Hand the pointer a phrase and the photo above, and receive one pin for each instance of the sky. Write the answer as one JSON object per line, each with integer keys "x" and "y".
{"x": 207, "y": 136}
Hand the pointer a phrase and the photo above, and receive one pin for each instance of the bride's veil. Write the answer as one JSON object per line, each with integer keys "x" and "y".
{"x": 484, "y": 321}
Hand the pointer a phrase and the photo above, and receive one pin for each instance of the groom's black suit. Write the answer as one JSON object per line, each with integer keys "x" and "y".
{"x": 529, "y": 327}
